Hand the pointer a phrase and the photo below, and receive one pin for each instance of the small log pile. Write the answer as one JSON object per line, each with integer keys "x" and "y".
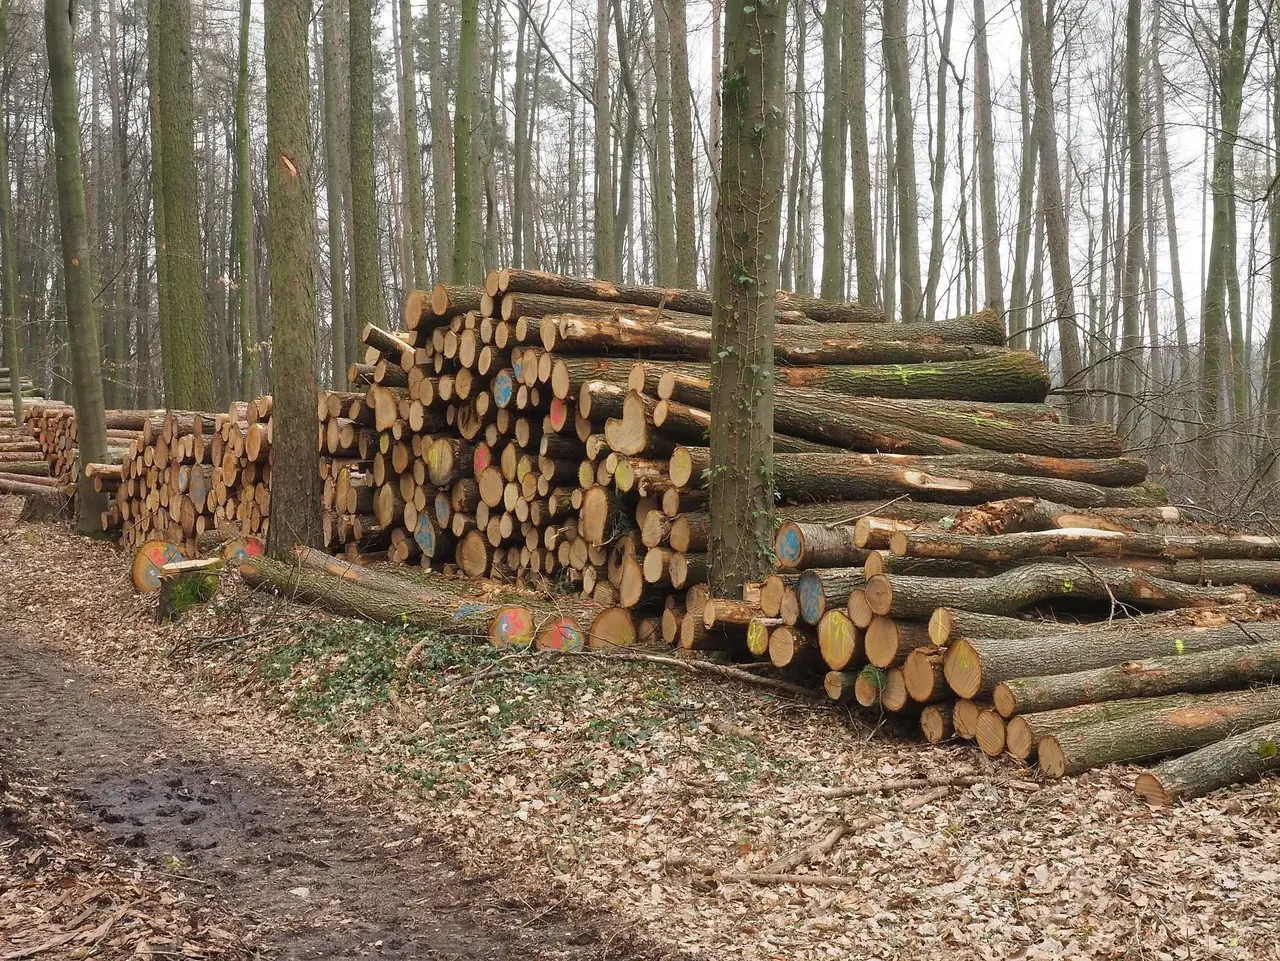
{"x": 23, "y": 470}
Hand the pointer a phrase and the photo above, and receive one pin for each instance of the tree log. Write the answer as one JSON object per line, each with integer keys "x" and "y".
{"x": 1241, "y": 757}
{"x": 1024, "y": 731}
{"x": 1016, "y": 376}
{"x": 1209, "y": 670}
{"x": 1011, "y": 591}
{"x": 1173, "y": 730}
{"x": 816, "y": 477}
{"x": 1011, "y": 548}
{"x": 976, "y": 665}
{"x": 1018, "y": 514}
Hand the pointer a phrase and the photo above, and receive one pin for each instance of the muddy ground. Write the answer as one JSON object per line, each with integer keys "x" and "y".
{"x": 304, "y": 869}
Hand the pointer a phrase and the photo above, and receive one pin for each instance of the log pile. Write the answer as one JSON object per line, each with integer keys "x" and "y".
{"x": 949, "y": 551}
{"x": 23, "y": 470}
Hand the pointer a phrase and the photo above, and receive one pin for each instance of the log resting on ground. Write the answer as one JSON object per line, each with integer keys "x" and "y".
{"x": 1241, "y": 757}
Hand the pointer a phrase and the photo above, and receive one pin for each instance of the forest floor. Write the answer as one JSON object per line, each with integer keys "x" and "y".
{"x": 264, "y": 780}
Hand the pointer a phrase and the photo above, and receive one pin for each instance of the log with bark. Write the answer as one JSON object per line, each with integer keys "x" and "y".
{"x": 1241, "y": 757}
{"x": 1201, "y": 719}
{"x": 1030, "y": 545}
{"x": 976, "y": 665}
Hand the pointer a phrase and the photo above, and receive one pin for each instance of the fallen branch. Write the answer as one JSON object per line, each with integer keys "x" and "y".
{"x": 906, "y": 784}
{"x": 784, "y": 866}
{"x": 695, "y": 666}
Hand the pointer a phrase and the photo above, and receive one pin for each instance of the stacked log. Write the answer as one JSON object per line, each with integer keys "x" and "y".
{"x": 23, "y": 470}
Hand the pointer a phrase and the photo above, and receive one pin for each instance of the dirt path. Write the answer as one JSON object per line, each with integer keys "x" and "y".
{"x": 309, "y": 869}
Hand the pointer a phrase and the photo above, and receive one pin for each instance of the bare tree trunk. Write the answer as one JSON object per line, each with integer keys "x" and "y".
{"x": 746, "y": 280}
{"x": 1131, "y": 345}
{"x": 890, "y": 206}
{"x": 416, "y": 212}
{"x": 938, "y": 169}
{"x": 899, "y": 70}
{"x": 1273, "y": 335}
{"x": 682, "y": 143}
{"x": 8, "y": 244}
{"x": 295, "y": 507}
{"x": 86, "y": 373}
{"x": 188, "y": 359}
{"x": 520, "y": 142}
{"x": 864, "y": 241}
{"x": 663, "y": 188}
{"x": 441, "y": 144}
{"x": 1055, "y": 215}
{"x": 993, "y": 284}
{"x": 333, "y": 203}
{"x": 1166, "y": 186}
{"x": 606, "y": 261}
{"x": 244, "y": 240}
{"x": 795, "y": 184}
{"x": 1213, "y": 311}
{"x": 1019, "y": 322}
{"x": 466, "y": 243}
{"x": 626, "y": 168}
{"x": 833, "y": 152}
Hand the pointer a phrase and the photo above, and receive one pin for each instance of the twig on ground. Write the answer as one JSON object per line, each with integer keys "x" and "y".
{"x": 827, "y": 845}
{"x": 704, "y": 667}
{"x": 963, "y": 779}
{"x": 814, "y": 880}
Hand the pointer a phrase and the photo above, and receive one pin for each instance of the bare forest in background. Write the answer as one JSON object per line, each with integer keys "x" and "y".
{"x": 1102, "y": 174}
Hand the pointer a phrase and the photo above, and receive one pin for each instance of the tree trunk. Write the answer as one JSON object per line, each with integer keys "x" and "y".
{"x": 864, "y": 242}
{"x": 898, "y": 67}
{"x": 663, "y": 187}
{"x": 1184, "y": 727}
{"x": 1009, "y": 377}
{"x": 333, "y": 201}
{"x": 416, "y": 211}
{"x": 1229, "y": 667}
{"x": 1054, "y": 210}
{"x": 833, "y": 153}
{"x": 977, "y": 665}
{"x": 1011, "y": 548}
{"x": 295, "y": 493}
{"x": 682, "y": 142}
{"x": 82, "y": 325}
{"x": 366, "y": 286}
{"x": 1029, "y": 514}
{"x": 188, "y": 360}
{"x": 1213, "y": 310}
{"x": 1238, "y": 758}
{"x": 1024, "y": 731}
{"x": 1170, "y": 211}
{"x": 993, "y": 285}
{"x": 244, "y": 199}
{"x": 937, "y": 170}
{"x": 606, "y": 263}
{"x": 8, "y": 246}
{"x": 1131, "y": 344}
{"x": 441, "y": 145}
{"x": 791, "y": 257}
{"x": 746, "y": 278}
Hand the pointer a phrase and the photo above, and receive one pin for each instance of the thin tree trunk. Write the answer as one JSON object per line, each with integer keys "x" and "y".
{"x": 795, "y": 184}
{"x": 606, "y": 262}
{"x": 833, "y": 152}
{"x": 416, "y": 212}
{"x": 938, "y": 170}
{"x": 1055, "y": 214}
{"x": 1019, "y": 322}
{"x": 1131, "y": 345}
{"x": 441, "y": 142}
{"x": 86, "y": 374}
{"x": 8, "y": 244}
{"x": 864, "y": 241}
{"x": 682, "y": 144}
{"x": 295, "y": 507}
{"x": 333, "y": 202}
{"x": 663, "y": 188}
{"x": 366, "y": 271}
{"x": 993, "y": 284}
{"x": 1166, "y": 186}
{"x": 188, "y": 359}
{"x": 746, "y": 280}
{"x": 244, "y": 242}
{"x": 1273, "y": 334}
{"x": 1213, "y": 311}
{"x": 899, "y": 70}
{"x": 622, "y": 224}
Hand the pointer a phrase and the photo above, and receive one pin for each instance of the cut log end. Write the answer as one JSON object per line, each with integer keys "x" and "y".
{"x": 512, "y": 627}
